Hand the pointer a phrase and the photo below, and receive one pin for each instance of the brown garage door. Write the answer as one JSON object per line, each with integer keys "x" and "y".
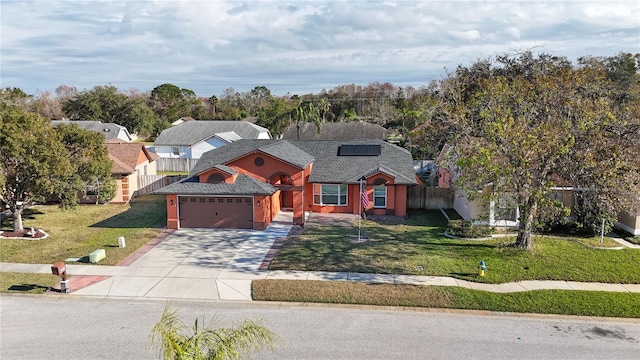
{"x": 216, "y": 212}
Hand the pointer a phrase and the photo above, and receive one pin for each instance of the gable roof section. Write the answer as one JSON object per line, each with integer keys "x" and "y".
{"x": 244, "y": 185}
{"x": 110, "y": 131}
{"x": 120, "y": 167}
{"x": 192, "y": 132}
{"x": 335, "y": 131}
{"x": 400, "y": 178}
{"x": 288, "y": 152}
{"x": 280, "y": 149}
{"x": 125, "y": 155}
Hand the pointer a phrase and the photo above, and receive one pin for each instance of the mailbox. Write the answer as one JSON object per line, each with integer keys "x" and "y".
{"x": 58, "y": 268}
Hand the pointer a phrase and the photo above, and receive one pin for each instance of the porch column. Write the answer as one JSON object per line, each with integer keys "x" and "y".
{"x": 298, "y": 207}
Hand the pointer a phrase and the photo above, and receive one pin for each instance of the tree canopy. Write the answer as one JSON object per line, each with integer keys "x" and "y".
{"x": 522, "y": 124}
{"x": 33, "y": 160}
{"x": 172, "y": 103}
{"x": 38, "y": 162}
{"x": 108, "y": 105}
{"x": 90, "y": 163}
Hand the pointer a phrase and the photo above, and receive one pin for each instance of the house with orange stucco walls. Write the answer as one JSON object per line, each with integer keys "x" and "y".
{"x": 129, "y": 161}
{"x": 246, "y": 183}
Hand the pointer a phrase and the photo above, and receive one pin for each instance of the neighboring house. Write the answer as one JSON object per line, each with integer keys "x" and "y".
{"x": 110, "y": 131}
{"x": 335, "y": 131}
{"x": 129, "y": 161}
{"x": 246, "y": 183}
{"x": 503, "y": 212}
{"x": 500, "y": 211}
{"x": 629, "y": 221}
{"x": 191, "y": 139}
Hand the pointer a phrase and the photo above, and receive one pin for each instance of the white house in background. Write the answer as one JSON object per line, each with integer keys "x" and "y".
{"x": 191, "y": 139}
{"x": 110, "y": 131}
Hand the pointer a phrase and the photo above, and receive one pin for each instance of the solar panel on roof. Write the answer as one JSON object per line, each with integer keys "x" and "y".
{"x": 359, "y": 150}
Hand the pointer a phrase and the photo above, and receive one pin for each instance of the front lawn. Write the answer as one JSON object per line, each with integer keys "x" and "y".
{"x": 566, "y": 302}
{"x": 419, "y": 248}
{"x": 76, "y": 233}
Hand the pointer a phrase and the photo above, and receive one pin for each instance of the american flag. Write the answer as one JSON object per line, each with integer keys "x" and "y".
{"x": 364, "y": 197}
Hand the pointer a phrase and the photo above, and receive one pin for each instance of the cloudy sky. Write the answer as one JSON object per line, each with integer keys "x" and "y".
{"x": 295, "y": 47}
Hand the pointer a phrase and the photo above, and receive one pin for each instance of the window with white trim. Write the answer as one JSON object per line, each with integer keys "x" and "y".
{"x": 505, "y": 208}
{"x": 380, "y": 196}
{"x": 330, "y": 194}
{"x": 175, "y": 150}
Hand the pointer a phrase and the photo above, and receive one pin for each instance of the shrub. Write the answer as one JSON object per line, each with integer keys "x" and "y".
{"x": 466, "y": 229}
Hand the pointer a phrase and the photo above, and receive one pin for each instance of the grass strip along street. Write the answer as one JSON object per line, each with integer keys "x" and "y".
{"x": 565, "y": 302}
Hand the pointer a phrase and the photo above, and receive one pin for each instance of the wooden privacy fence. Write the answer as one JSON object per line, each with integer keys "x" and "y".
{"x": 430, "y": 198}
{"x": 150, "y": 183}
{"x": 175, "y": 164}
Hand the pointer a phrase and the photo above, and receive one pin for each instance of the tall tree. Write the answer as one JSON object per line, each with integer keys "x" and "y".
{"x": 171, "y": 103}
{"x": 524, "y": 122}
{"x": 14, "y": 96}
{"x": 231, "y": 106}
{"x": 108, "y": 105}
{"x": 257, "y": 99}
{"x": 65, "y": 92}
{"x": 176, "y": 341}
{"x": 306, "y": 112}
{"x": 33, "y": 160}
{"x": 90, "y": 162}
{"x": 47, "y": 106}
{"x": 276, "y": 116}
{"x": 324, "y": 106}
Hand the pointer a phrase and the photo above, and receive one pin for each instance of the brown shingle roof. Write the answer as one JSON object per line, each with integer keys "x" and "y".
{"x": 125, "y": 155}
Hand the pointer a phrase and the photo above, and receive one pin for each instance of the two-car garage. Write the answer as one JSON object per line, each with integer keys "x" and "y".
{"x": 215, "y": 212}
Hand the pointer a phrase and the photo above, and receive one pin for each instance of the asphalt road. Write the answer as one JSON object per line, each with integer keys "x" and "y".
{"x": 63, "y": 327}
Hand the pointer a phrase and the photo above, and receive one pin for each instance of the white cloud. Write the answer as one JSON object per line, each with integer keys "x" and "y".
{"x": 295, "y": 46}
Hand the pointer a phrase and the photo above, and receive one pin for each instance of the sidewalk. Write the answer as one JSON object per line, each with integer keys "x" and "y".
{"x": 235, "y": 284}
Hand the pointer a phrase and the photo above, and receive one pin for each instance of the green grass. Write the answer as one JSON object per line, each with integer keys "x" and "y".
{"x": 26, "y": 283}
{"x": 419, "y": 248}
{"x": 584, "y": 303}
{"x": 78, "y": 232}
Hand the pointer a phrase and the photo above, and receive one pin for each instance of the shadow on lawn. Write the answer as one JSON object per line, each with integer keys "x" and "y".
{"x": 146, "y": 212}
{"x": 26, "y": 287}
{"x": 27, "y": 214}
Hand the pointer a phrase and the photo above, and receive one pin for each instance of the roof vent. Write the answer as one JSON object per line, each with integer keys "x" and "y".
{"x": 106, "y": 129}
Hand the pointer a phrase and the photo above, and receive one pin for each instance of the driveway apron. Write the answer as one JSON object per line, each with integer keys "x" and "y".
{"x": 203, "y": 264}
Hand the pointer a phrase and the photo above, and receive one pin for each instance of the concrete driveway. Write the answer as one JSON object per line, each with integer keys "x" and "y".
{"x": 204, "y": 264}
